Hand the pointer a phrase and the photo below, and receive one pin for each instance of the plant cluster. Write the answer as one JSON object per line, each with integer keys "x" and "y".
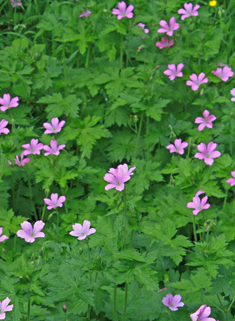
{"x": 99, "y": 113}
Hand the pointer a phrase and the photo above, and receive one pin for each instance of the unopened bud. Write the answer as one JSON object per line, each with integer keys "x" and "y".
{"x": 64, "y": 308}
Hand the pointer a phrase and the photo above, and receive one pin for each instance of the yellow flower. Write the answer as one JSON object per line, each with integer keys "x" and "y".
{"x": 213, "y": 3}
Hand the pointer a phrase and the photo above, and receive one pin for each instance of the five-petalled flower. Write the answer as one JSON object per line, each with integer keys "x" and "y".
{"x": 165, "y": 43}
{"x": 118, "y": 176}
{"x": 33, "y": 148}
{"x": 82, "y": 231}
{"x": 29, "y": 233}
{"x": 224, "y": 74}
{"x": 202, "y": 314}
{"x": 2, "y": 238}
{"x": 85, "y": 13}
{"x": 172, "y": 302}
{"x": 169, "y": 29}
{"x": 3, "y": 129}
{"x": 196, "y": 81}
{"x": 178, "y": 147}
{"x": 54, "y": 149}
{"x": 207, "y": 152}
{"x": 54, "y": 127}
{"x": 54, "y": 201}
{"x": 189, "y": 10}
{"x": 206, "y": 121}
{"x": 174, "y": 71}
{"x": 123, "y": 11}
{"x": 4, "y": 307}
{"x": 231, "y": 180}
{"x": 198, "y": 204}
{"x": 20, "y": 162}
{"x": 6, "y": 102}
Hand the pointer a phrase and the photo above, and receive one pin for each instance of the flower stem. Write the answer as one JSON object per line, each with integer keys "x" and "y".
{"x": 125, "y": 307}
{"x": 121, "y": 52}
{"x": 31, "y": 197}
{"x": 89, "y": 268}
{"x": 115, "y": 302}
{"x": 138, "y": 136}
{"x": 194, "y": 229}
{"x": 28, "y": 319}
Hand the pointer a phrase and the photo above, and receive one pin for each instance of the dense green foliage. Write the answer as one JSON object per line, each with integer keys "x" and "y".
{"x": 119, "y": 108}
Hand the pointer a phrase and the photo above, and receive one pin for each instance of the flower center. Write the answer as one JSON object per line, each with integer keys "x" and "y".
{"x": 118, "y": 183}
{"x": 32, "y": 234}
{"x": 123, "y": 13}
{"x": 32, "y": 150}
{"x": 207, "y": 155}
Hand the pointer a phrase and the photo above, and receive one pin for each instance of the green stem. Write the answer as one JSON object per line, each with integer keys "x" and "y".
{"x": 225, "y": 200}
{"x": 194, "y": 229}
{"x": 89, "y": 267}
{"x": 65, "y": 77}
{"x": 231, "y": 304}
{"x": 43, "y": 211}
{"x": 13, "y": 193}
{"x": 31, "y": 197}
{"x": 147, "y": 130}
{"x": 121, "y": 52}
{"x": 125, "y": 307}
{"x": 138, "y": 136}
{"x": 87, "y": 57}
{"x": 115, "y": 302}
{"x": 213, "y": 303}
{"x": 28, "y": 310}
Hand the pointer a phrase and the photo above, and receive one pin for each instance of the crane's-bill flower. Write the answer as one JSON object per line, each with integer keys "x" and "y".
{"x": 3, "y": 129}
{"x": 82, "y": 231}
{"x": 165, "y": 43}
{"x": 4, "y": 307}
{"x": 123, "y": 11}
{"x": 54, "y": 127}
{"x": 54, "y": 201}
{"x": 33, "y": 148}
{"x": 29, "y": 233}
{"x": 224, "y": 74}
{"x": 118, "y": 176}
{"x": 86, "y": 13}
{"x": 54, "y": 149}
{"x": 206, "y": 121}
{"x": 172, "y": 302}
{"x": 196, "y": 81}
{"x": 198, "y": 204}
{"x": 231, "y": 180}
{"x": 202, "y": 314}
{"x": 16, "y": 3}
{"x": 169, "y": 29}
{"x": 20, "y": 162}
{"x": 207, "y": 152}
{"x": 189, "y": 10}
{"x": 178, "y": 147}
{"x": 174, "y": 71}
{"x": 6, "y": 102}
{"x": 233, "y": 93}
{"x": 142, "y": 25}
{"x": 3, "y": 237}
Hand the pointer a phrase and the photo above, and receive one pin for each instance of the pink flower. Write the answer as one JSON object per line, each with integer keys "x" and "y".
{"x": 54, "y": 201}
{"x": 202, "y": 314}
{"x": 233, "y": 93}
{"x": 224, "y": 73}
{"x": 198, "y": 204}
{"x": 207, "y": 153}
{"x": 189, "y": 10}
{"x": 3, "y": 124}
{"x": 15, "y": 3}
{"x": 21, "y": 162}
{"x": 178, "y": 147}
{"x": 82, "y": 231}
{"x": 141, "y": 25}
{"x": 165, "y": 43}
{"x": 86, "y": 13}
{"x": 231, "y": 181}
{"x": 33, "y": 148}
{"x": 172, "y": 302}
{"x": 54, "y": 149}
{"x": 29, "y": 233}
{"x": 123, "y": 11}
{"x": 173, "y": 25}
{"x": 4, "y": 307}
{"x": 206, "y": 121}
{"x": 174, "y": 71}
{"x": 54, "y": 127}
{"x": 196, "y": 81}
{"x": 2, "y": 238}
{"x": 118, "y": 176}
{"x": 64, "y": 308}
{"x": 7, "y": 102}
